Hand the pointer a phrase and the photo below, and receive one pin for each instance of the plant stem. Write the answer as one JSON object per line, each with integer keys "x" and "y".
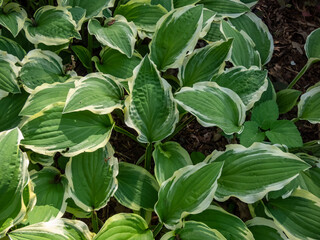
{"x": 125, "y": 132}
{"x": 300, "y": 74}
{"x": 157, "y": 229}
{"x": 180, "y": 127}
{"x": 147, "y": 162}
{"x": 95, "y": 222}
{"x": 90, "y": 48}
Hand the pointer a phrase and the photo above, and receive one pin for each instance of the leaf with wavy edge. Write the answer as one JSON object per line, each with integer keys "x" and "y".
{"x": 9, "y": 72}
{"x": 250, "y": 173}
{"x": 12, "y": 47}
{"x": 52, "y": 26}
{"x": 204, "y": 63}
{"x": 226, "y": 8}
{"x": 213, "y": 106}
{"x": 308, "y": 107}
{"x": 12, "y": 17}
{"x": 265, "y": 229}
{"x": 116, "y": 64}
{"x": 150, "y": 108}
{"x": 137, "y": 188}
{"x": 97, "y": 93}
{"x": 58, "y": 229}
{"x": 14, "y": 163}
{"x": 193, "y": 230}
{"x": 189, "y": 191}
{"x": 173, "y": 38}
{"x": 116, "y": 33}
{"x": 46, "y": 94}
{"x": 39, "y": 67}
{"x": 124, "y": 226}
{"x": 249, "y": 84}
{"x": 229, "y": 225}
{"x": 92, "y": 10}
{"x": 50, "y": 189}
{"x": 50, "y": 131}
{"x": 258, "y": 32}
{"x": 298, "y": 215}
{"x": 92, "y": 178}
{"x": 144, "y": 15}
{"x": 169, "y": 157}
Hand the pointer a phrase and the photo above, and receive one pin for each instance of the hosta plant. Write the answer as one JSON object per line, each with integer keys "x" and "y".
{"x": 75, "y": 72}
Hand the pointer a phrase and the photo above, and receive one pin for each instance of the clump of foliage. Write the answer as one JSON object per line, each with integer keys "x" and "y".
{"x": 143, "y": 62}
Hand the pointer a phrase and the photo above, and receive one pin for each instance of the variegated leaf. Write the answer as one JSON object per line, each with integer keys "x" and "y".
{"x": 189, "y": 191}
{"x": 95, "y": 92}
{"x": 51, "y": 26}
{"x": 265, "y": 161}
{"x": 150, "y": 108}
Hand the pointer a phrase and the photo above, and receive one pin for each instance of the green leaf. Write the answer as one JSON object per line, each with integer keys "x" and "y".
{"x": 125, "y": 226}
{"x": 284, "y": 132}
{"x": 213, "y": 106}
{"x": 269, "y": 94}
{"x": 9, "y": 72}
{"x": 50, "y": 189}
{"x": 287, "y": 99}
{"x": 226, "y": 8}
{"x": 78, "y": 15}
{"x": 116, "y": 64}
{"x": 258, "y": 32}
{"x": 251, "y": 134}
{"x": 144, "y": 15}
{"x": 197, "y": 157}
{"x": 10, "y": 107}
{"x": 249, "y": 84}
{"x": 14, "y": 177}
{"x": 167, "y": 4}
{"x": 230, "y": 226}
{"x": 312, "y": 47}
{"x": 309, "y": 180}
{"x": 169, "y": 157}
{"x": 12, "y": 17}
{"x": 83, "y": 54}
{"x": 243, "y": 52}
{"x": 249, "y": 3}
{"x": 214, "y": 34}
{"x": 265, "y": 161}
{"x": 51, "y": 26}
{"x": 208, "y": 17}
{"x": 137, "y": 187}
{"x": 58, "y": 229}
{"x": 95, "y": 92}
{"x": 39, "y": 158}
{"x": 150, "y": 107}
{"x": 45, "y": 95}
{"x": 308, "y": 107}
{"x": 182, "y": 3}
{"x": 41, "y": 67}
{"x": 264, "y": 229}
{"x": 173, "y": 38}
{"x": 92, "y": 10}
{"x": 50, "y": 131}
{"x": 204, "y": 63}
{"x": 196, "y": 184}
{"x": 12, "y": 47}
{"x": 92, "y": 178}
{"x": 298, "y": 215}
{"x": 76, "y": 211}
{"x": 265, "y": 114}
{"x": 117, "y": 33}
{"x": 194, "y": 231}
